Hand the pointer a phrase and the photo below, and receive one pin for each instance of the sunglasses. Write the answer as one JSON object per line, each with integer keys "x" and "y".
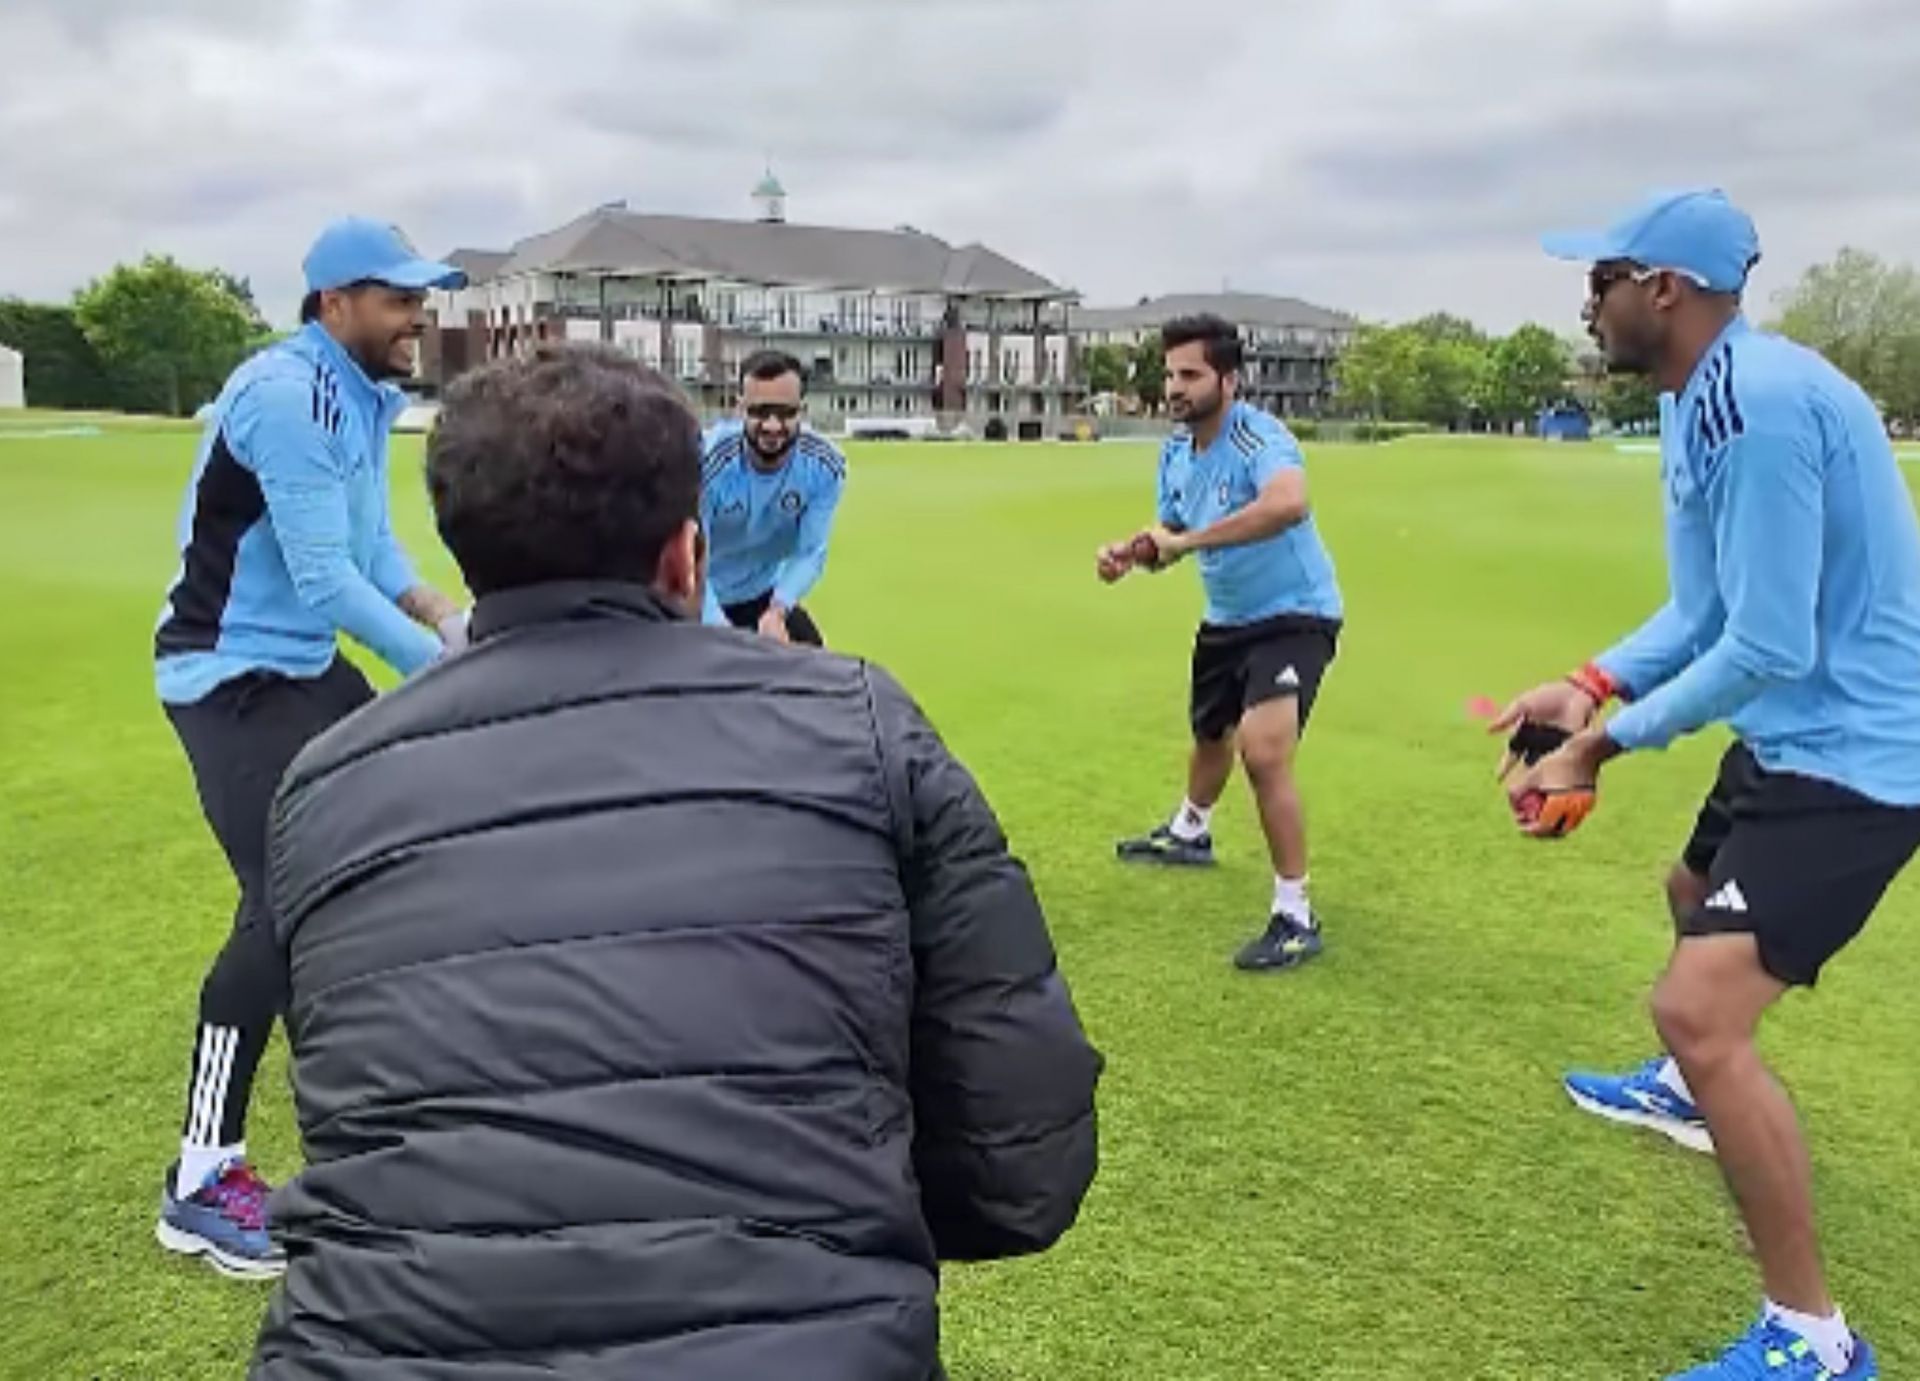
{"x": 784, "y": 412}
{"x": 1602, "y": 277}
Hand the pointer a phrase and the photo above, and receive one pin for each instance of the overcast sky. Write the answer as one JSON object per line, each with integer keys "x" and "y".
{"x": 1388, "y": 157}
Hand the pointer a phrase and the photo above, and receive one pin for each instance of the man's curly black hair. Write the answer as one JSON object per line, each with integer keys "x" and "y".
{"x": 573, "y": 463}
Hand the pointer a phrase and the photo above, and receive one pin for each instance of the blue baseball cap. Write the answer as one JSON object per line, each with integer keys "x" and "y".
{"x": 356, "y": 249}
{"x": 1695, "y": 231}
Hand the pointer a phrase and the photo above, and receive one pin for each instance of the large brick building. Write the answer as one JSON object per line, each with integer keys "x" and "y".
{"x": 1290, "y": 345}
{"x": 889, "y": 323}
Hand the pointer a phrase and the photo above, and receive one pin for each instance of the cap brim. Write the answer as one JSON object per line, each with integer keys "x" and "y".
{"x": 421, "y": 273}
{"x": 1586, "y": 246}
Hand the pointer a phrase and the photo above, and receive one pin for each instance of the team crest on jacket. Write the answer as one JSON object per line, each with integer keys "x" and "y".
{"x": 1226, "y": 494}
{"x": 790, "y": 501}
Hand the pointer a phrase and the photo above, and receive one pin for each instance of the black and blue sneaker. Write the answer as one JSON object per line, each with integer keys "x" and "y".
{"x": 1162, "y": 845}
{"x": 224, "y": 1221}
{"x": 1285, "y": 944}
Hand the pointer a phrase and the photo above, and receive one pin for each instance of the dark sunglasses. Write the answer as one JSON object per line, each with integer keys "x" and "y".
{"x": 1602, "y": 277}
{"x": 785, "y": 412}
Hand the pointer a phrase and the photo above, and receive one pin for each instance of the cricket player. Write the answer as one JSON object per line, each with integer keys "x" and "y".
{"x": 1233, "y": 488}
{"x": 285, "y": 543}
{"x": 1794, "y": 616}
{"x": 768, "y": 491}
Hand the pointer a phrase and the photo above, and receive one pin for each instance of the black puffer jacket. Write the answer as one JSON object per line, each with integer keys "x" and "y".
{"x": 664, "y": 1004}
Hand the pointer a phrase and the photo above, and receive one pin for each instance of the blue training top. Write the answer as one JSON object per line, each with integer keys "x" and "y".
{"x": 284, "y": 534}
{"x": 1794, "y": 575}
{"x": 1287, "y": 573}
{"x": 766, "y": 531}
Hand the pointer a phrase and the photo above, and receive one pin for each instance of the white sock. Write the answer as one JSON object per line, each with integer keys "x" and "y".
{"x": 1671, "y": 1076}
{"x": 199, "y": 1162}
{"x": 1290, "y": 899}
{"x": 1190, "y": 821}
{"x": 1830, "y": 1338}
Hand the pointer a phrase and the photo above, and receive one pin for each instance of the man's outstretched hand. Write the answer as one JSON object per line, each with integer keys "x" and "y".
{"x": 1117, "y": 558}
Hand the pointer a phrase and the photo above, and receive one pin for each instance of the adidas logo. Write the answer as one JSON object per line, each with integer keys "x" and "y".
{"x": 1289, "y": 677}
{"x": 1728, "y": 898}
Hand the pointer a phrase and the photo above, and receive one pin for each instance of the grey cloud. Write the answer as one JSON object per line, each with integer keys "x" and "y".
{"x": 1374, "y": 155}
{"x": 96, "y": 25}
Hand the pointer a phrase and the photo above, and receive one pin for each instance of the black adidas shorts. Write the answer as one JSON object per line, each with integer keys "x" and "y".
{"x": 1238, "y": 666}
{"x": 1798, "y": 863}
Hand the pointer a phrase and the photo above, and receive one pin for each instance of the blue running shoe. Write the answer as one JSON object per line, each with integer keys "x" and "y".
{"x": 224, "y": 1220}
{"x": 1770, "y": 1352}
{"x": 1642, "y": 1099}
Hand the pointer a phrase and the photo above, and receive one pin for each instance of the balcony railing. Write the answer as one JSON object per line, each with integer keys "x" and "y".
{"x": 879, "y": 382}
{"x": 627, "y": 311}
{"x": 833, "y": 326}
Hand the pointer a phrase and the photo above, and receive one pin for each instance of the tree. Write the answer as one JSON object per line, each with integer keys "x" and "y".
{"x": 1864, "y": 316}
{"x": 1443, "y": 328}
{"x": 1431, "y": 370}
{"x": 1384, "y": 373}
{"x": 242, "y": 291}
{"x": 1108, "y": 368}
{"x": 1525, "y": 371}
{"x": 1628, "y": 399}
{"x": 63, "y": 370}
{"x": 1451, "y": 380}
{"x": 1899, "y": 390}
{"x": 1150, "y": 372}
{"x": 169, "y": 334}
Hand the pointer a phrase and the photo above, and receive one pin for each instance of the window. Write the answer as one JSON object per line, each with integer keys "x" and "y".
{"x": 904, "y": 365}
{"x": 1009, "y": 368}
{"x": 976, "y": 368}
{"x": 727, "y": 305}
{"x": 786, "y": 310}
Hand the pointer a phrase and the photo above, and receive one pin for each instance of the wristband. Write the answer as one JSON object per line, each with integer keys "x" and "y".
{"x": 1594, "y": 680}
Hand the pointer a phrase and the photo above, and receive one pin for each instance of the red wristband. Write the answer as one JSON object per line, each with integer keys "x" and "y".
{"x": 1595, "y": 682}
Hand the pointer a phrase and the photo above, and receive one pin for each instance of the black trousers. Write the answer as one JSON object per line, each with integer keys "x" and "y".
{"x": 240, "y": 740}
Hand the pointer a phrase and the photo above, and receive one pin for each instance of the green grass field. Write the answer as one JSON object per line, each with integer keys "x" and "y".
{"x": 1364, "y": 1170}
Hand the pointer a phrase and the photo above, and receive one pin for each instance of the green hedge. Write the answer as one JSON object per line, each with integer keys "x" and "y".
{"x": 62, "y": 369}
{"x": 1312, "y": 429}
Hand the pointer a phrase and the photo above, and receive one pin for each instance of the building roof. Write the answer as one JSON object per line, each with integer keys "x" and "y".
{"x": 1242, "y": 309}
{"x": 610, "y": 239}
{"x": 479, "y": 264}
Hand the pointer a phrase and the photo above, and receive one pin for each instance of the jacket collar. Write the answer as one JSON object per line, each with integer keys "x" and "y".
{"x": 569, "y": 601}
{"x": 387, "y": 397}
{"x": 1733, "y": 329}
